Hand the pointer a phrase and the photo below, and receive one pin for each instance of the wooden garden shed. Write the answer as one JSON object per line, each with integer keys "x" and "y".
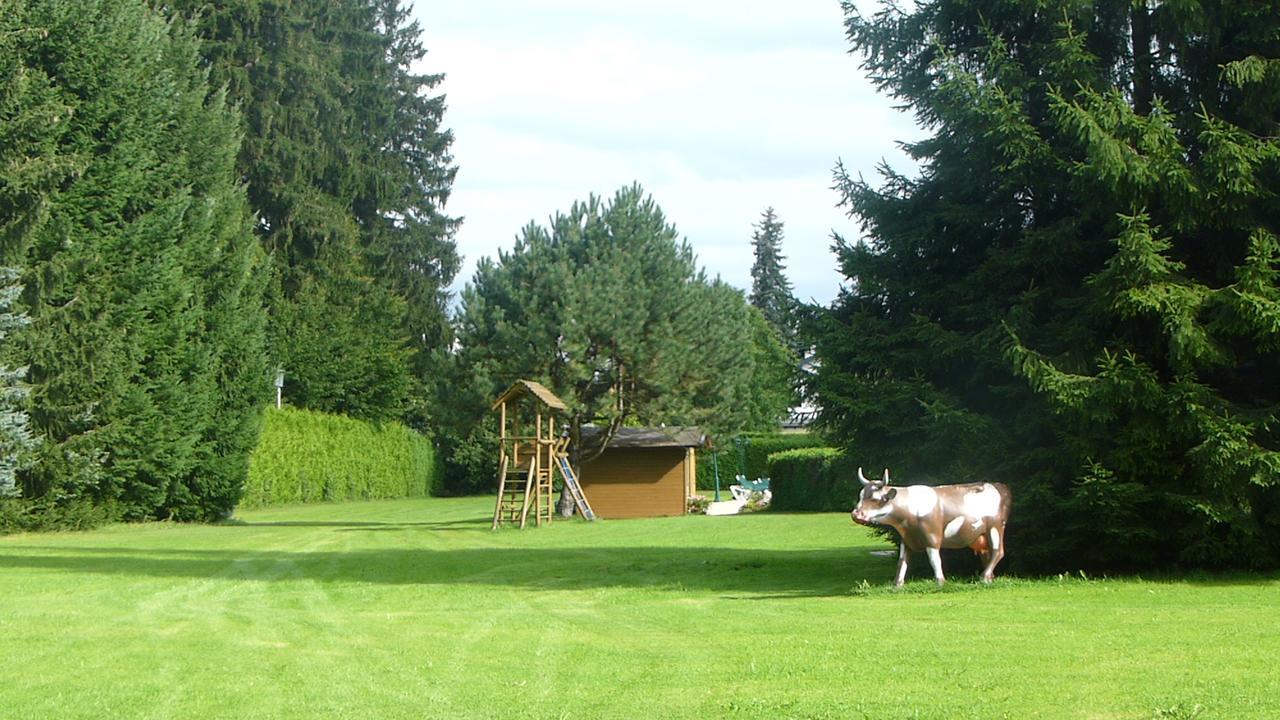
{"x": 643, "y": 472}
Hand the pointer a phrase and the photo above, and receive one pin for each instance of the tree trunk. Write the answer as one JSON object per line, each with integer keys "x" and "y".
{"x": 1140, "y": 28}
{"x": 565, "y": 506}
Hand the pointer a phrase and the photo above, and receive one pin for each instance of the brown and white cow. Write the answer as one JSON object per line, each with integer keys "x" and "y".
{"x": 927, "y": 518}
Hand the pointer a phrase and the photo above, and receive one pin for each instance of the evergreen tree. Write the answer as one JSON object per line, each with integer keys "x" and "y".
{"x": 772, "y": 387}
{"x": 15, "y": 432}
{"x": 142, "y": 278}
{"x": 771, "y": 295}
{"x": 348, "y": 169}
{"x": 607, "y": 308}
{"x": 30, "y": 168}
{"x": 770, "y": 289}
{"x": 1077, "y": 294}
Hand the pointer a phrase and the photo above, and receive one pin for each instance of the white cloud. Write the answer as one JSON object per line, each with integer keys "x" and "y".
{"x": 718, "y": 108}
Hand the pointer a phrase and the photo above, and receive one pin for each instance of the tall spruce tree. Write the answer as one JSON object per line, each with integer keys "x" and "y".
{"x": 16, "y": 439}
{"x": 348, "y": 169}
{"x": 771, "y": 295}
{"x": 143, "y": 282}
{"x": 1077, "y": 294}
{"x": 32, "y": 168}
{"x": 770, "y": 288}
{"x": 607, "y": 308}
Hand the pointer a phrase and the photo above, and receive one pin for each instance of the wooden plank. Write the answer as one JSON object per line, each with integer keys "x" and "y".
{"x": 524, "y": 507}
{"x": 502, "y": 481}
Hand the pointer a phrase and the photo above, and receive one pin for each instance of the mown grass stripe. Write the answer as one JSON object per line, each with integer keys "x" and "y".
{"x": 413, "y": 608}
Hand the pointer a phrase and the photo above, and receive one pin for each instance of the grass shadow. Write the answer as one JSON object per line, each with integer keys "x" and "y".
{"x": 734, "y": 571}
{"x": 477, "y": 524}
{"x": 781, "y": 573}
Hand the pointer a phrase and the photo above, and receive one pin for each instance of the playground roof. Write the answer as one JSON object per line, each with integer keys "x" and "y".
{"x": 537, "y": 390}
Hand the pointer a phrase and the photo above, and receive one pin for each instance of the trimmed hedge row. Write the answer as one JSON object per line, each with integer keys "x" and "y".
{"x": 818, "y": 479}
{"x": 306, "y": 456}
{"x": 759, "y": 448}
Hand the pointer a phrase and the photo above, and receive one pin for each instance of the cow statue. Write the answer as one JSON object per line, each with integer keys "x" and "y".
{"x": 928, "y": 518}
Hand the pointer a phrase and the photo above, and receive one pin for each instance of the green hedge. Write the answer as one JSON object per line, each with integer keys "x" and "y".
{"x": 761, "y": 446}
{"x": 306, "y": 456}
{"x": 816, "y": 479}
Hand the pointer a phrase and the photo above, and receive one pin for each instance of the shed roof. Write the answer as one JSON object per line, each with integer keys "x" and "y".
{"x": 650, "y": 437}
{"x": 537, "y": 390}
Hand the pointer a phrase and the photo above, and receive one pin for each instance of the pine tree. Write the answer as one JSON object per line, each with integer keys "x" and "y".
{"x": 1077, "y": 293}
{"x": 608, "y": 309}
{"x": 142, "y": 279}
{"x": 30, "y": 169}
{"x": 348, "y": 169}
{"x": 770, "y": 288}
{"x": 15, "y": 432}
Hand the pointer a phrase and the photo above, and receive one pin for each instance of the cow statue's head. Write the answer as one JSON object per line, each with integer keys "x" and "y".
{"x": 876, "y": 501}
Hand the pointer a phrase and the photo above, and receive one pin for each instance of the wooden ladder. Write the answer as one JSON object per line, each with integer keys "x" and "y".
{"x": 513, "y": 494}
{"x": 543, "y": 500}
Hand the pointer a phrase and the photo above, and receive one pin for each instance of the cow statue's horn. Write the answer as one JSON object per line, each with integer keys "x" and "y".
{"x": 886, "y": 476}
{"x": 863, "y": 478}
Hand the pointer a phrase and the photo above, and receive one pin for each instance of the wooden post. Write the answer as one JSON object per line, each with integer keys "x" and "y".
{"x": 690, "y": 475}
{"x": 551, "y": 467}
{"x": 537, "y": 473}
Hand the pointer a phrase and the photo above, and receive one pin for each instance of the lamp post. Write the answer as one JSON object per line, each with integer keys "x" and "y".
{"x": 279, "y": 386}
{"x": 741, "y": 444}
{"x": 715, "y": 468}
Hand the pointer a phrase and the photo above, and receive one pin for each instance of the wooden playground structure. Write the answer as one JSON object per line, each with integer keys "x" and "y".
{"x": 527, "y": 463}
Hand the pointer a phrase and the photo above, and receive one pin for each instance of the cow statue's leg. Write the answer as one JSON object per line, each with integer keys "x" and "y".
{"x": 903, "y": 557}
{"x": 935, "y": 559}
{"x": 995, "y": 537}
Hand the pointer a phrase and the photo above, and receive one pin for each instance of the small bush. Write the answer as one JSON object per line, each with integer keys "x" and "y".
{"x": 307, "y": 456}
{"x": 469, "y": 462}
{"x": 697, "y": 505}
{"x": 760, "y": 447}
{"x": 42, "y": 515}
{"x": 817, "y": 479}
{"x": 756, "y": 502}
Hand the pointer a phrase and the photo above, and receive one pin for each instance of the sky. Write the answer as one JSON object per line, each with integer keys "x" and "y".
{"x": 717, "y": 108}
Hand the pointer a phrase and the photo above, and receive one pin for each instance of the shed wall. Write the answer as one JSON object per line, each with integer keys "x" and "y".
{"x": 636, "y": 482}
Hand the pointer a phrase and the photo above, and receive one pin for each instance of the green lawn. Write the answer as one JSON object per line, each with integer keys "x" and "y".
{"x": 415, "y": 609}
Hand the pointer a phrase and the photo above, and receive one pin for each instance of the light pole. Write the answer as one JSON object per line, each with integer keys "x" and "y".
{"x": 741, "y": 443}
{"x": 715, "y": 468}
{"x": 279, "y": 386}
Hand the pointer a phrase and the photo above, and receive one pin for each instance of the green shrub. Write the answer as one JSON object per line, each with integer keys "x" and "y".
{"x": 755, "y": 503}
{"x": 307, "y": 456}
{"x": 815, "y": 479}
{"x": 760, "y": 447}
{"x": 43, "y": 515}
{"x": 697, "y": 505}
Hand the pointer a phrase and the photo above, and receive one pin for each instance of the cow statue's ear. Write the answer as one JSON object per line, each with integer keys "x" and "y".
{"x": 893, "y": 492}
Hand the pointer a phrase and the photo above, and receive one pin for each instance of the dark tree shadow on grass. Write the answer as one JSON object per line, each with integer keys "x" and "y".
{"x": 476, "y": 524}
{"x": 780, "y": 573}
{"x": 749, "y": 573}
